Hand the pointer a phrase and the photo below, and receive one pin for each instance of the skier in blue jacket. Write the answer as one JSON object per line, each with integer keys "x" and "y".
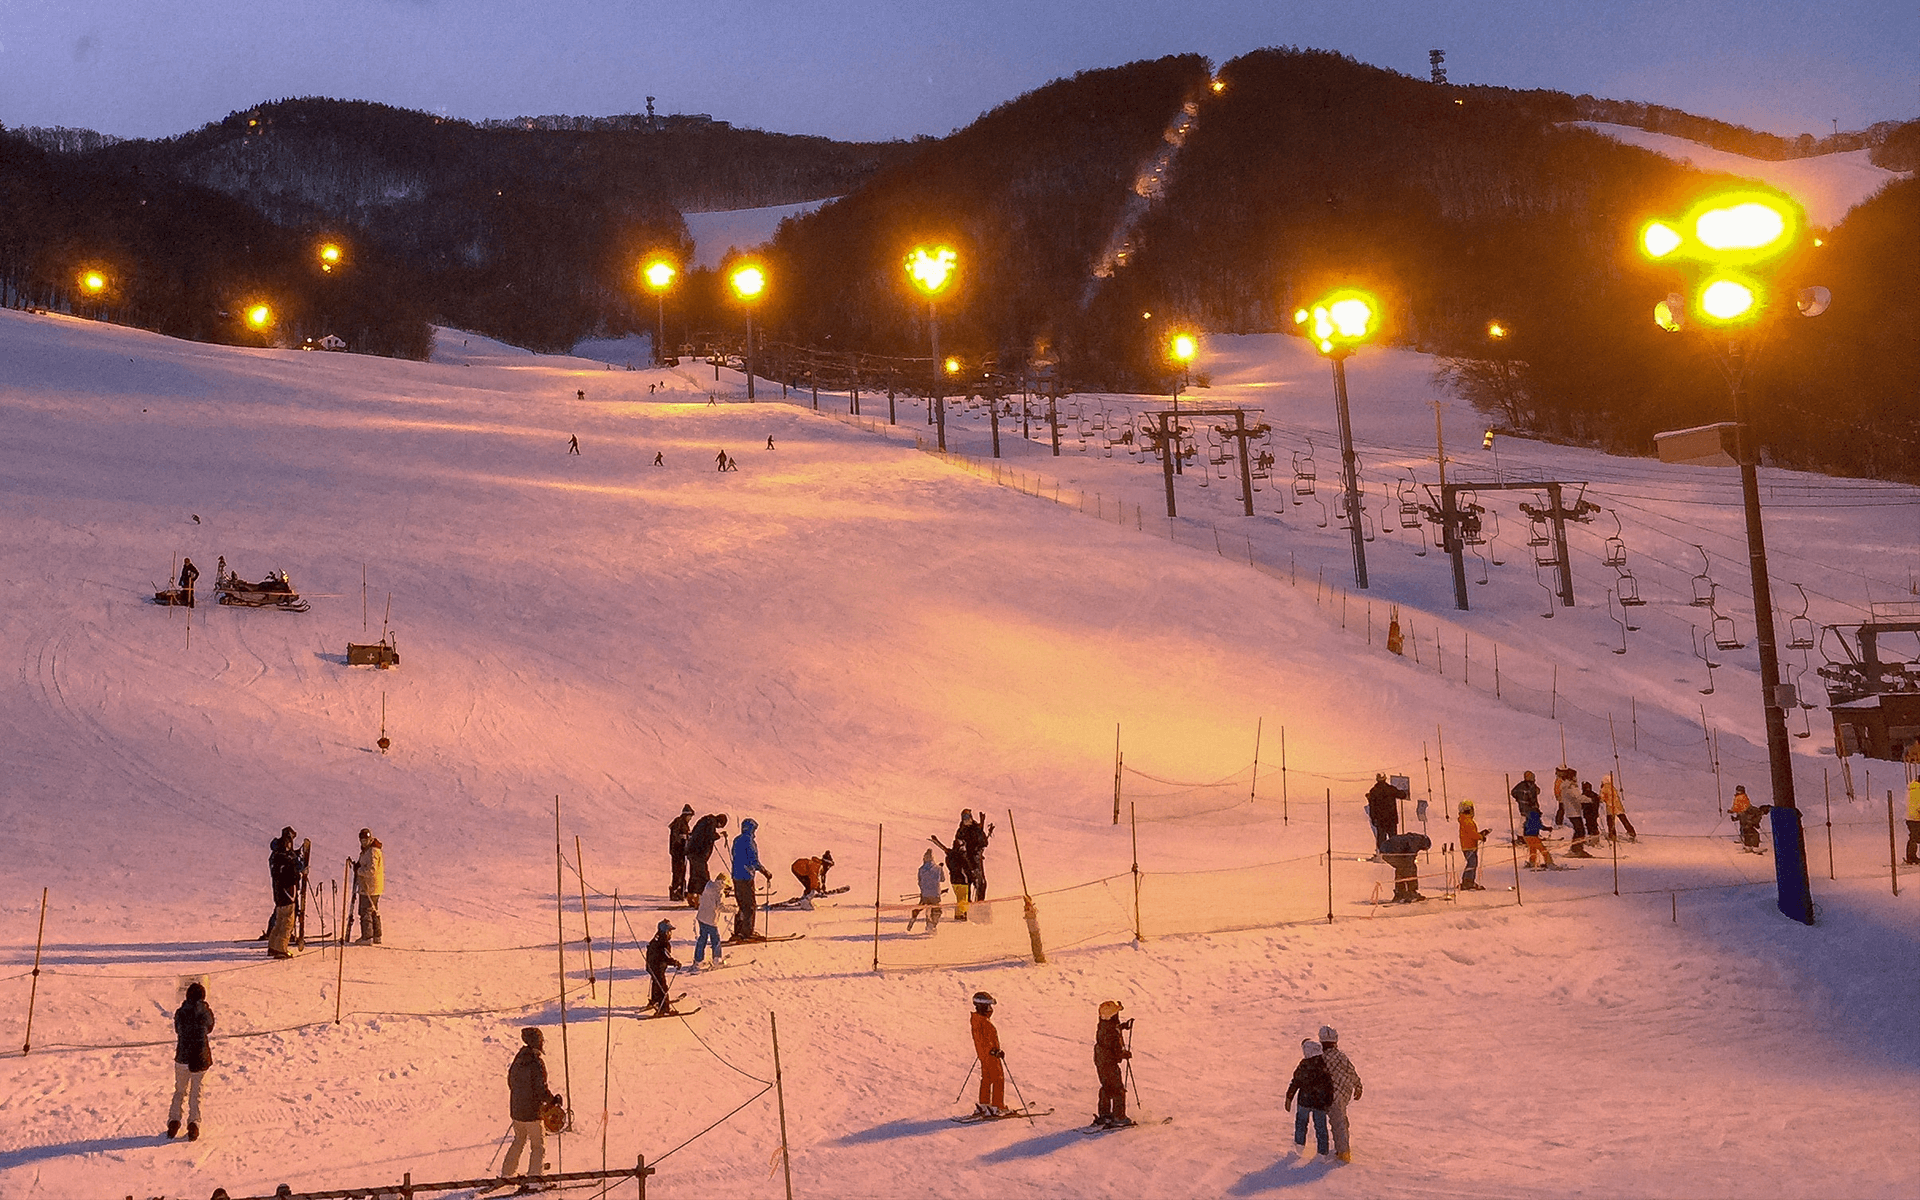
{"x": 746, "y": 860}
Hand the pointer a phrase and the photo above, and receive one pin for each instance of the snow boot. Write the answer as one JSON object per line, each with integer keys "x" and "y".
{"x": 193, "y": 1131}
{"x": 173, "y": 1129}
{"x": 1345, "y": 1156}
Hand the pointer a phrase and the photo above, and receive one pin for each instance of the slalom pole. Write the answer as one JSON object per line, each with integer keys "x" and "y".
{"x": 1253, "y": 792}
{"x": 1283, "y": 776}
{"x": 586, "y": 930}
{"x": 340, "y": 971}
{"x": 1137, "y": 1101}
{"x": 1893, "y": 858}
{"x": 1032, "y": 914}
{"x": 1513, "y": 834}
{"x": 560, "y": 944}
{"x": 879, "y": 845}
{"x": 1440, "y": 740}
{"x": 1826, "y": 785}
{"x": 780, "y": 1095}
{"x": 1329, "y": 856}
{"x": 33, "y": 991}
{"x": 1134, "y": 821}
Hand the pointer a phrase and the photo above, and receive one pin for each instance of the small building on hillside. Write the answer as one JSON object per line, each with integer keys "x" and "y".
{"x": 326, "y": 342}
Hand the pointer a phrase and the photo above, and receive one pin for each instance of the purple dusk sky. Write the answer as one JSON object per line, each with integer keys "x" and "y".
{"x": 877, "y": 69}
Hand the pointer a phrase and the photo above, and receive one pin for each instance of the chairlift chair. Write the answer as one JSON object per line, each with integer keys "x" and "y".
{"x": 1615, "y": 551}
{"x": 1544, "y": 554}
{"x": 1725, "y": 634}
{"x": 1800, "y": 628}
{"x": 1703, "y": 587}
{"x": 1628, "y": 589}
{"x": 1409, "y": 505}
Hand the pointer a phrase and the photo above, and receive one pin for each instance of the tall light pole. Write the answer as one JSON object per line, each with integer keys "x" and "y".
{"x": 1337, "y": 323}
{"x": 1183, "y": 349}
{"x": 1729, "y": 237}
{"x": 659, "y": 274}
{"x": 931, "y": 270}
{"x": 748, "y": 281}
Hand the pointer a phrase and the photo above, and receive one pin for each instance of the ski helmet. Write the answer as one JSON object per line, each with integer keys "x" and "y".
{"x": 1466, "y": 806}
{"x": 533, "y": 1037}
{"x": 1110, "y": 1008}
{"x": 686, "y": 810}
{"x": 983, "y": 1000}
{"x": 826, "y": 859}
{"x": 666, "y": 926}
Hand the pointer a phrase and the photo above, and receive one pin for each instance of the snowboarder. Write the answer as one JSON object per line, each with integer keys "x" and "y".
{"x": 287, "y": 865}
{"x": 958, "y": 874}
{"x": 1109, "y": 1051}
{"x": 188, "y": 574}
{"x": 369, "y": 883}
{"x": 700, "y": 843}
{"x": 573, "y": 444}
{"x": 192, "y": 1055}
{"x": 528, "y": 1096}
{"x": 746, "y": 860}
{"x": 1748, "y": 814}
{"x": 1616, "y": 808}
{"x": 930, "y": 881}
{"x": 659, "y": 958}
{"x": 712, "y": 899}
{"x": 1383, "y": 810}
{"x": 1470, "y": 839}
{"x": 1346, "y": 1089}
{"x": 679, "y": 830}
{"x": 1312, "y": 1085}
{"x": 812, "y": 874}
{"x": 972, "y": 837}
{"x": 1400, "y": 851}
{"x": 986, "y": 1045}
{"x": 1533, "y": 829}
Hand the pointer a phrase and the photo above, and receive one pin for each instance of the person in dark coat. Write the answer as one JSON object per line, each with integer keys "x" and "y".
{"x": 287, "y": 865}
{"x": 679, "y": 831}
{"x": 1109, "y": 1051}
{"x": 1383, "y": 810}
{"x": 1400, "y": 850}
{"x": 192, "y": 1055}
{"x": 1312, "y": 1085}
{"x": 971, "y": 836}
{"x": 527, "y": 1094}
{"x": 188, "y": 574}
{"x": 1526, "y": 794}
{"x": 659, "y": 958}
{"x": 700, "y": 844}
{"x": 958, "y": 874}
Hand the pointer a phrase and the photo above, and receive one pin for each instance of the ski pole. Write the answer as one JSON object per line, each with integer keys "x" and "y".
{"x": 1137, "y": 1101}
{"x": 966, "y": 1081}
{"x": 1024, "y": 1110}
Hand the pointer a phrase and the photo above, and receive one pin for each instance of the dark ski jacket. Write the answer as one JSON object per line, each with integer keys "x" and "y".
{"x": 660, "y": 954}
{"x": 1526, "y": 794}
{"x": 1109, "y": 1048}
{"x": 972, "y": 837}
{"x": 527, "y": 1085}
{"x": 1383, "y": 800}
{"x": 1313, "y": 1083}
{"x": 188, "y": 573}
{"x": 958, "y": 872}
{"x": 193, "y": 1029}
{"x": 1406, "y": 843}
{"x": 706, "y": 832}
{"x": 286, "y": 864}
{"x": 679, "y": 833}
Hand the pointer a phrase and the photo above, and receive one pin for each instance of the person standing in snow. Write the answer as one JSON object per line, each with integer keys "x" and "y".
{"x": 1526, "y": 794}
{"x": 1346, "y": 1089}
{"x": 1470, "y": 839}
{"x": 369, "y": 884}
{"x": 1748, "y": 814}
{"x": 1590, "y": 809}
{"x": 971, "y": 836}
{"x": 986, "y": 1046}
{"x": 812, "y": 874}
{"x": 573, "y": 444}
{"x": 659, "y": 958}
{"x": 1913, "y": 822}
{"x": 1383, "y": 810}
{"x": 679, "y": 830}
{"x": 1400, "y": 851}
{"x": 1533, "y": 830}
{"x": 188, "y": 574}
{"x": 1312, "y": 1085}
{"x": 720, "y": 461}
{"x": 527, "y": 1094}
{"x": 958, "y": 875}
{"x": 659, "y": 458}
{"x": 1616, "y": 808}
{"x": 746, "y": 860}
{"x": 1568, "y": 811}
{"x": 192, "y": 1055}
{"x": 287, "y": 865}
{"x": 712, "y": 898}
{"x": 700, "y": 843}
{"x": 1109, "y": 1051}
{"x": 769, "y": 441}
{"x": 930, "y": 881}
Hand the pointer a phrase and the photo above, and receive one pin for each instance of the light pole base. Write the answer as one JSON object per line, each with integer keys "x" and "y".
{"x": 1790, "y": 864}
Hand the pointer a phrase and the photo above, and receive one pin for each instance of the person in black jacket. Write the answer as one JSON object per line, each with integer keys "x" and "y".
{"x": 700, "y": 844}
{"x": 1109, "y": 1051}
{"x": 659, "y": 958}
{"x": 1526, "y": 794}
{"x": 1399, "y": 850}
{"x": 1383, "y": 810}
{"x": 958, "y": 874}
{"x": 679, "y": 831}
{"x": 188, "y": 574}
{"x": 287, "y": 864}
{"x": 1313, "y": 1086}
{"x": 192, "y": 1055}
{"x": 527, "y": 1095}
{"x": 972, "y": 837}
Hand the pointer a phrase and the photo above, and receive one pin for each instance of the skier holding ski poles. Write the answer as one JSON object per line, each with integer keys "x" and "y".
{"x": 1109, "y": 1051}
{"x": 287, "y": 865}
{"x": 659, "y": 958}
{"x": 700, "y": 843}
{"x": 746, "y": 860}
{"x": 986, "y": 1045}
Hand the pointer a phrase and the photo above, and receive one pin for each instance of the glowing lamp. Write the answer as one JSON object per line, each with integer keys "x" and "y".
{"x": 748, "y": 282}
{"x": 329, "y": 256}
{"x": 1496, "y": 331}
{"x": 1729, "y": 300}
{"x": 931, "y": 270}
{"x": 659, "y": 274}
{"x": 952, "y": 366}
{"x": 1659, "y": 239}
{"x": 1671, "y": 314}
{"x": 1184, "y": 348}
{"x": 93, "y": 282}
{"x": 1745, "y": 226}
{"x": 1340, "y": 321}
{"x": 259, "y": 316}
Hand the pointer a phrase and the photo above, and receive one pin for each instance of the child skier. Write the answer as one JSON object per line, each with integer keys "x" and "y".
{"x": 1109, "y": 1051}
{"x": 1616, "y": 808}
{"x": 1537, "y": 853}
{"x": 1748, "y": 814}
{"x": 812, "y": 874}
{"x": 1470, "y": 839}
{"x": 1313, "y": 1084}
{"x": 986, "y": 1045}
{"x": 708, "y": 919}
{"x": 659, "y": 958}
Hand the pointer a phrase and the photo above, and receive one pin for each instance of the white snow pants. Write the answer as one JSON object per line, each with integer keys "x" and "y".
{"x": 523, "y": 1133}
{"x": 1337, "y": 1122}
{"x": 186, "y": 1090}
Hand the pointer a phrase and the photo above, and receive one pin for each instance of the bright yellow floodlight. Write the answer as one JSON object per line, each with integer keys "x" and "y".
{"x": 93, "y": 282}
{"x": 1659, "y": 239}
{"x": 330, "y": 255}
{"x": 952, "y": 365}
{"x": 1184, "y": 348}
{"x": 659, "y": 274}
{"x": 259, "y": 316}
{"x": 1729, "y": 300}
{"x": 931, "y": 270}
{"x": 1497, "y": 331}
{"x": 1748, "y": 225}
{"x": 748, "y": 281}
{"x": 1730, "y": 228}
{"x": 1341, "y": 320}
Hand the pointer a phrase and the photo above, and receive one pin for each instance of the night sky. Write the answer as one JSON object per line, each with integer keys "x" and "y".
{"x": 868, "y": 69}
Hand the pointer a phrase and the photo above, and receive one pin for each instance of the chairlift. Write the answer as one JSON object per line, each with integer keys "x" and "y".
{"x": 1703, "y": 587}
{"x": 1366, "y": 526}
{"x": 1551, "y": 595}
{"x": 1628, "y": 588}
{"x": 1537, "y": 534}
{"x": 1322, "y": 522}
{"x": 1615, "y": 551}
{"x": 1303, "y": 476}
{"x": 1800, "y": 628}
{"x": 1699, "y": 651}
{"x": 1544, "y": 554}
{"x": 1617, "y": 620}
{"x": 1492, "y": 517}
{"x": 1409, "y": 505}
{"x": 1481, "y": 559}
{"x": 1725, "y": 634}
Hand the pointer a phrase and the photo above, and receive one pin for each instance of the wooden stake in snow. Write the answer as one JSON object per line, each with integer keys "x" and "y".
{"x": 780, "y": 1094}
{"x": 560, "y": 945}
{"x": 1893, "y": 859}
{"x": 33, "y": 989}
{"x": 340, "y": 971}
{"x": 1329, "y": 856}
{"x": 879, "y": 845}
{"x": 1134, "y": 821}
{"x": 586, "y": 930}
{"x": 1032, "y": 914}
{"x": 1514, "y": 833}
{"x": 1253, "y": 792}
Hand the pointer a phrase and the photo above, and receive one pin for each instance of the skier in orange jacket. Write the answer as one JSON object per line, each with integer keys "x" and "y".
{"x": 986, "y": 1044}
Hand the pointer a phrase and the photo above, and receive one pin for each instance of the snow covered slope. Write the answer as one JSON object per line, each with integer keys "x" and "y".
{"x": 847, "y": 633}
{"x": 715, "y": 234}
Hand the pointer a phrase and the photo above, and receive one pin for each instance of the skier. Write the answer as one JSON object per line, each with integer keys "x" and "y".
{"x": 720, "y": 461}
{"x": 930, "y": 881}
{"x": 1616, "y": 807}
{"x": 659, "y": 958}
{"x": 528, "y": 1093}
{"x": 700, "y": 843}
{"x": 188, "y": 573}
{"x": 1109, "y": 1051}
{"x": 370, "y": 882}
{"x": 1567, "y": 811}
{"x": 1383, "y": 810}
{"x": 1748, "y": 814}
{"x": 678, "y": 831}
{"x": 959, "y": 874}
{"x": 1470, "y": 839}
{"x": 1312, "y": 1084}
{"x": 1396, "y": 640}
{"x": 287, "y": 866}
{"x": 972, "y": 837}
{"x": 659, "y": 458}
{"x": 712, "y": 897}
{"x": 1590, "y": 810}
{"x": 986, "y": 1045}
{"x": 812, "y": 874}
{"x": 1346, "y": 1089}
{"x": 1399, "y": 851}
{"x": 192, "y": 1055}
{"x": 1536, "y": 849}
{"x": 769, "y": 441}
{"x": 1526, "y": 794}
{"x": 731, "y": 464}
{"x": 573, "y": 444}
{"x": 746, "y": 860}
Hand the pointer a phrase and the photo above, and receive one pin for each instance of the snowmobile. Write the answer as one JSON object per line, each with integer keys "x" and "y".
{"x": 275, "y": 591}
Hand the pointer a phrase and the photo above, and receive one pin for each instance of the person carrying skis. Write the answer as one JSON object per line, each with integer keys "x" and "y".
{"x": 1470, "y": 839}
{"x": 1534, "y": 828}
{"x": 188, "y": 574}
{"x": 527, "y": 1094}
{"x": 712, "y": 898}
{"x": 1312, "y": 1084}
{"x": 1401, "y": 851}
{"x": 1109, "y": 1051}
{"x": 287, "y": 865}
{"x": 958, "y": 874}
{"x": 972, "y": 836}
{"x": 192, "y": 1055}
{"x": 1568, "y": 810}
{"x": 700, "y": 844}
{"x": 659, "y": 958}
{"x": 746, "y": 860}
{"x": 930, "y": 881}
{"x": 369, "y": 884}
{"x": 1383, "y": 810}
{"x": 812, "y": 874}
{"x": 679, "y": 831}
{"x": 1346, "y": 1089}
{"x": 986, "y": 1046}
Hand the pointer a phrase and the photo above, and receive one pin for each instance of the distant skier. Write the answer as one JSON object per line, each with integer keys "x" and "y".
{"x": 769, "y": 441}
{"x": 1533, "y": 830}
{"x": 712, "y": 902}
{"x": 1400, "y": 851}
{"x": 1312, "y": 1085}
{"x": 659, "y": 958}
{"x": 1346, "y": 1089}
{"x": 986, "y": 1045}
{"x": 573, "y": 444}
{"x": 720, "y": 461}
{"x": 659, "y": 458}
{"x": 287, "y": 865}
{"x": 528, "y": 1095}
{"x": 1470, "y": 839}
{"x": 1913, "y": 821}
{"x": 746, "y": 860}
{"x": 972, "y": 836}
{"x": 679, "y": 831}
{"x": 731, "y": 465}
{"x": 1526, "y": 794}
{"x": 1109, "y": 1051}
{"x": 188, "y": 574}
{"x": 1383, "y": 810}
{"x": 1748, "y": 814}
{"x": 1396, "y": 640}
{"x": 369, "y": 883}
{"x": 1616, "y": 807}
{"x": 192, "y": 1055}
{"x": 700, "y": 844}
{"x": 580, "y": 395}
{"x": 812, "y": 874}
{"x": 930, "y": 881}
